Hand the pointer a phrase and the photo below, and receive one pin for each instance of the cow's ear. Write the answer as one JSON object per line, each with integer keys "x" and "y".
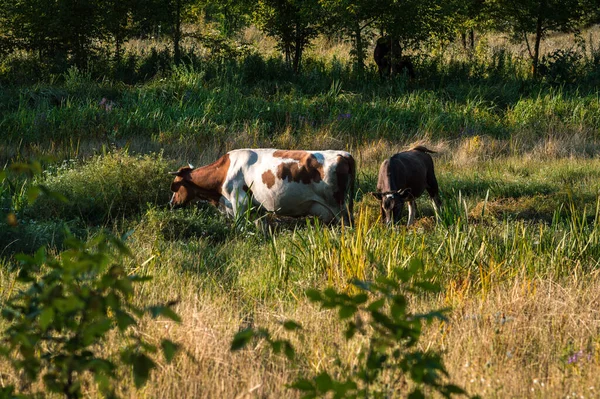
{"x": 379, "y": 196}
{"x": 182, "y": 172}
{"x": 176, "y": 185}
{"x": 405, "y": 194}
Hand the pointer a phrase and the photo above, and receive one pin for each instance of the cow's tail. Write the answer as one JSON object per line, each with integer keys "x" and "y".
{"x": 422, "y": 149}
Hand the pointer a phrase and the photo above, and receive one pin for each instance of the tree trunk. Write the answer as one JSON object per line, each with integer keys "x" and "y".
{"x": 539, "y": 31}
{"x": 463, "y": 37}
{"x": 297, "y": 50}
{"x": 358, "y": 47}
{"x": 177, "y": 33}
{"x": 395, "y": 55}
{"x": 118, "y": 49}
{"x": 472, "y": 38}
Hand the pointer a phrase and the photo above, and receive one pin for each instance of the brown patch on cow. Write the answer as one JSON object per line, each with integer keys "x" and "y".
{"x": 211, "y": 177}
{"x": 307, "y": 170}
{"x": 268, "y": 178}
{"x": 291, "y": 154}
{"x": 205, "y": 182}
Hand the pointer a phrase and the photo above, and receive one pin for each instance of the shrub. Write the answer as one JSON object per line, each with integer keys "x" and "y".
{"x": 105, "y": 188}
{"x": 67, "y": 309}
{"x": 380, "y": 313}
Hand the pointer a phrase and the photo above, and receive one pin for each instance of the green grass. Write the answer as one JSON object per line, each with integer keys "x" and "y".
{"x": 518, "y": 234}
{"x": 203, "y": 104}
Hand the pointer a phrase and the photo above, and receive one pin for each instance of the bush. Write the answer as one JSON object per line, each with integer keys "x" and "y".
{"x": 65, "y": 307}
{"x": 380, "y": 313}
{"x": 106, "y": 188}
{"x": 560, "y": 66}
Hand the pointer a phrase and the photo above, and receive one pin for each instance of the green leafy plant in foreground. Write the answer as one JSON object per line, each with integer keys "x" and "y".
{"x": 379, "y": 312}
{"x": 65, "y": 309}
{"x": 58, "y": 321}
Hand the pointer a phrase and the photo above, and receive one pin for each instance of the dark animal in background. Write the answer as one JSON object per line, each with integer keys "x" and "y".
{"x": 403, "y": 178}
{"x": 383, "y": 54}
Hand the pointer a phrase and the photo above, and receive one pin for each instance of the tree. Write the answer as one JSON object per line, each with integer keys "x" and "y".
{"x": 229, "y": 15}
{"x": 164, "y": 15}
{"x": 468, "y": 15}
{"x": 538, "y": 17}
{"x": 380, "y": 314}
{"x": 351, "y": 17}
{"x": 59, "y": 316}
{"x": 294, "y": 23}
{"x": 117, "y": 15}
{"x": 58, "y": 30}
{"x": 411, "y": 22}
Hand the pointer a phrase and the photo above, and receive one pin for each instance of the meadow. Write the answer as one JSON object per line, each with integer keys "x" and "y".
{"x": 515, "y": 248}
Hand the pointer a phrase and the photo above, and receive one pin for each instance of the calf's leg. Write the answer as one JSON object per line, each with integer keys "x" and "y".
{"x": 412, "y": 212}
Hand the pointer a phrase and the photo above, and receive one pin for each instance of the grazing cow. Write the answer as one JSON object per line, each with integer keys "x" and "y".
{"x": 383, "y": 54}
{"x": 288, "y": 183}
{"x": 402, "y": 178}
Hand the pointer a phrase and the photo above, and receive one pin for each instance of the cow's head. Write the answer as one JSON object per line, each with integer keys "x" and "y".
{"x": 182, "y": 187}
{"x": 392, "y": 203}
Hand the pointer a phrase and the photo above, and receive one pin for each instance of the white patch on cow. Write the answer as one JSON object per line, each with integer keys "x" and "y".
{"x": 284, "y": 197}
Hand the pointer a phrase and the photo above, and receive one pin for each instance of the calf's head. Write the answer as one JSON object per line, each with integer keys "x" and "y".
{"x": 182, "y": 187}
{"x": 392, "y": 203}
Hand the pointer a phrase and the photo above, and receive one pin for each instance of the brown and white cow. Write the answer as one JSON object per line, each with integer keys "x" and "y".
{"x": 403, "y": 178}
{"x": 286, "y": 182}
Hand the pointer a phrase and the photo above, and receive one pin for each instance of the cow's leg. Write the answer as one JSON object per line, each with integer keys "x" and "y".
{"x": 412, "y": 211}
{"x": 239, "y": 202}
{"x": 241, "y": 205}
{"x": 323, "y": 212}
{"x": 434, "y": 193}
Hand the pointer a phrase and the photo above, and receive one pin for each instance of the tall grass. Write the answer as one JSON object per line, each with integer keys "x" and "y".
{"x": 515, "y": 246}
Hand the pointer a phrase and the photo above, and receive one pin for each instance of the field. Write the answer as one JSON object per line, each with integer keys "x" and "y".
{"x": 515, "y": 248}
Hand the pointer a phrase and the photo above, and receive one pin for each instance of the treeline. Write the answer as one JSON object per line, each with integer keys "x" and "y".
{"x": 63, "y": 33}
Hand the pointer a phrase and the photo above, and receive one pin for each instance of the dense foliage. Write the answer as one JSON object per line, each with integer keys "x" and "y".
{"x": 85, "y": 33}
{"x": 62, "y": 309}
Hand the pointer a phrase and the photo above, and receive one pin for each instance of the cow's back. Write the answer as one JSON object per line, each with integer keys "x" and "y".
{"x": 288, "y": 182}
{"x": 408, "y": 169}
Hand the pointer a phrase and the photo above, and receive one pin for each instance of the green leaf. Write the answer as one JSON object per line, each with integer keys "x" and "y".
{"x": 95, "y": 330}
{"x": 53, "y": 194}
{"x": 323, "y": 382}
{"x": 289, "y": 351}
{"x": 142, "y": 365}
{"x": 241, "y": 339}
{"x": 416, "y": 394}
{"x": 276, "y": 346}
{"x": 359, "y": 299}
{"x": 347, "y": 311}
{"x": 46, "y": 317}
{"x": 169, "y": 349}
{"x": 373, "y": 306}
{"x": 165, "y": 311}
{"x": 32, "y": 193}
{"x": 454, "y": 389}
{"x": 120, "y": 245}
{"x": 291, "y": 325}
{"x": 303, "y": 385}
{"x": 427, "y": 286}
{"x": 313, "y": 295}
{"x": 124, "y": 320}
